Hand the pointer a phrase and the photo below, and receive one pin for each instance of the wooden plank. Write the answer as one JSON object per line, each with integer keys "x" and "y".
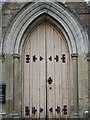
{"x": 60, "y": 78}
{"x": 53, "y": 74}
{"x": 26, "y": 78}
{"x": 35, "y": 73}
{"x": 31, "y": 78}
{"x": 64, "y": 75}
{"x": 42, "y": 95}
{"x": 56, "y": 67}
{"x": 49, "y": 38}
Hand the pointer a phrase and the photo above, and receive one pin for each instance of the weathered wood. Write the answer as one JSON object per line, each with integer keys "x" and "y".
{"x": 45, "y": 41}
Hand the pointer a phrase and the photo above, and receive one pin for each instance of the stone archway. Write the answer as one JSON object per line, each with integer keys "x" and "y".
{"x": 61, "y": 17}
{"x": 58, "y": 12}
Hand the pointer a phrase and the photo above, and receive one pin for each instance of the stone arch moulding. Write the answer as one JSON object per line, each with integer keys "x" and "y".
{"x": 77, "y": 37}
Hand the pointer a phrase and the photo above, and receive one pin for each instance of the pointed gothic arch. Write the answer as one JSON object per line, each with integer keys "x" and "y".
{"x": 78, "y": 39}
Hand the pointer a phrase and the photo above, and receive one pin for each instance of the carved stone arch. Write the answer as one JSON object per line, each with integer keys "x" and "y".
{"x": 78, "y": 40}
{"x": 45, "y": 18}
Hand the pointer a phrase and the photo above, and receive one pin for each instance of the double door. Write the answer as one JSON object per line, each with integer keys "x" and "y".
{"x": 46, "y": 83}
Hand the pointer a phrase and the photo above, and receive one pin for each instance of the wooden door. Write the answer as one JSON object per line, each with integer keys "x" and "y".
{"x": 46, "y": 79}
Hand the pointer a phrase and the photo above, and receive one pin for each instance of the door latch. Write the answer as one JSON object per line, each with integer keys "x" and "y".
{"x": 34, "y": 110}
{"x": 49, "y": 80}
{"x": 57, "y": 109}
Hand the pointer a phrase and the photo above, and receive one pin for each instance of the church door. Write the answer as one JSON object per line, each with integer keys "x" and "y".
{"x": 46, "y": 81}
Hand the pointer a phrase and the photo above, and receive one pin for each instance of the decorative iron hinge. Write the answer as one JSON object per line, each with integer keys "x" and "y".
{"x": 57, "y": 109}
{"x": 50, "y": 58}
{"x": 63, "y": 58}
{"x": 34, "y": 58}
{"x": 51, "y": 109}
{"x": 27, "y": 58}
{"x": 57, "y": 58}
{"x": 27, "y": 110}
{"x": 41, "y": 110}
{"x": 65, "y": 110}
{"x": 34, "y": 110}
{"x": 41, "y": 58}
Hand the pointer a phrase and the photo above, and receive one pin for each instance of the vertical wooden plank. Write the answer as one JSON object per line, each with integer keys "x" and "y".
{"x": 56, "y": 67}
{"x": 37, "y": 72}
{"x": 34, "y": 69}
{"x": 49, "y": 38}
{"x": 64, "y": 75}
{"x": 26, "y": 78}
{"x": 60, "y": 77}
{"x": 68, "y": 80}
{"x": 30, "y": 80}
{"x": 42, "y": 89}
{"x": 53, "y": 74}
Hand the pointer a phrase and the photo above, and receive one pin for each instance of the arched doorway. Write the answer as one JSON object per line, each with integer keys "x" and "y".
{"x": 77, "y": 40}
{"x": 46, "y": 79}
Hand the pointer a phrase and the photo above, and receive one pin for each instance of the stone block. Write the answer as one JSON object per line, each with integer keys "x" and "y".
{"x": 5, "y": 20}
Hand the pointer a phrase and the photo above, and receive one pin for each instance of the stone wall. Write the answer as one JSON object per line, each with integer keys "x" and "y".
{"x": 9, "y": 10}
{"x": 82, "y": 10}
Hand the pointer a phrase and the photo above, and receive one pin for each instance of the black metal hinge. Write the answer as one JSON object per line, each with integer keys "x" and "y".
{"x": 27, "y": 58}
{"x": 57, "y": 58}
{"x": 63, "y": 58}
{"x": 41, "y": 58}
{"x": 50, "y": 58}
{"x": 34, "y": 58}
